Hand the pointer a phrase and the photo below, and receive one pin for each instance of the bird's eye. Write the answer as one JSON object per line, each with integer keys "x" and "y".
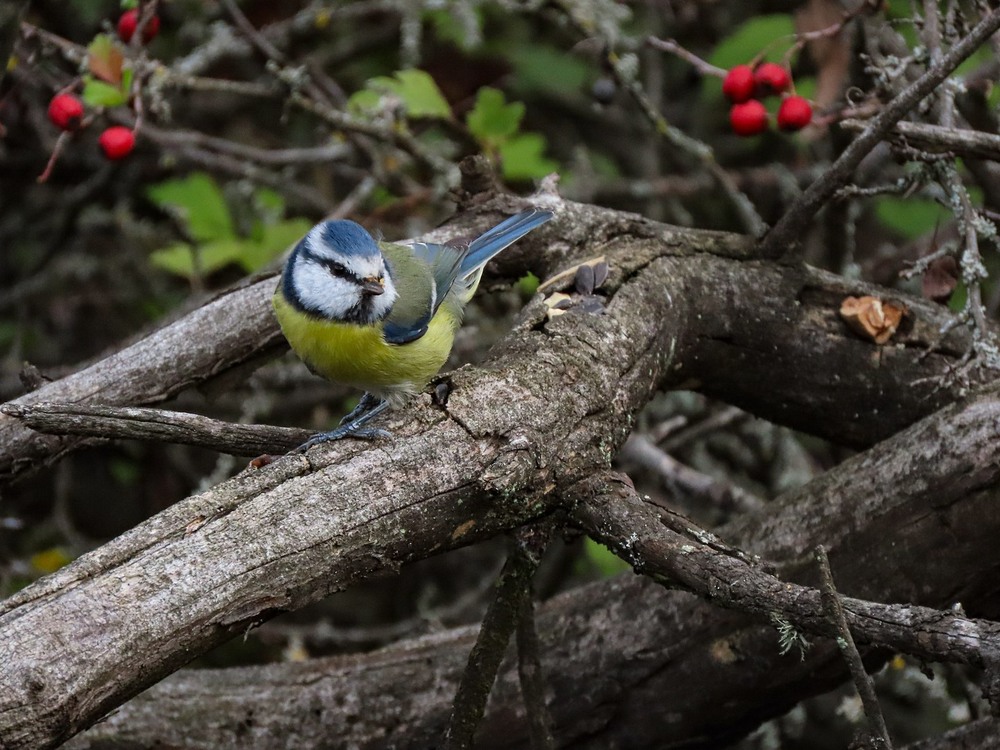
{"x": 337, "y": 269}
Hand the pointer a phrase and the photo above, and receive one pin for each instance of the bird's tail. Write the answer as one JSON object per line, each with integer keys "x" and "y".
{"x": 487, "y": 245}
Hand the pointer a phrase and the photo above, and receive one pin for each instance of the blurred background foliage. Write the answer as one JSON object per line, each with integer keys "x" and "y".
{"x": 363, "y": 110}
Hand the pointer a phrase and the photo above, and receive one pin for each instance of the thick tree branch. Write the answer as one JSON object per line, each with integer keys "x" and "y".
{"x": 306, "y": 526}
{"x": 674, "y": 552}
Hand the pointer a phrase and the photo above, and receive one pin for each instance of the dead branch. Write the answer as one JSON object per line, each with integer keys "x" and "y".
{"x": 159, "y": 425}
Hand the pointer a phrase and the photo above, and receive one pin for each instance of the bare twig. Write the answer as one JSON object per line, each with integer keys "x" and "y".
{"x": 331, "y": 152}
{"x": 129, "y": 423}
{"x": 719, "y": 420}
{"x": 935, "y": 138}
{"x": 500, "y": 622}
{"x": 702, "y": 66}
{"x": 61, "y": 142}
{"x": 398, "y": 136}
{"x": 713, "y": 491}
{"x": 324, "y": 635}
{"x": 257, "y": 39}
{"x": 845, "y": 641}
{"x": 529, "y": 671}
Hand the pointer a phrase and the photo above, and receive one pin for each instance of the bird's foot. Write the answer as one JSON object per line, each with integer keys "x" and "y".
{"x": 353, "y": 425}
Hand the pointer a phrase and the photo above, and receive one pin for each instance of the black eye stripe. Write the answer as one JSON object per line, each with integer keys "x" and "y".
{"x": 339, "y": 270}
{"x": 336, "y": 268}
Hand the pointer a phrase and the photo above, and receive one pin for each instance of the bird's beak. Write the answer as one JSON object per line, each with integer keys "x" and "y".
{"x": 372, "y": 285}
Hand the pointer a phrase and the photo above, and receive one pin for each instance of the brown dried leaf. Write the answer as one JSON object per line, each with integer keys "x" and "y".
{"x": 105, "y": 60}
{"x": 871, "y": 318}
{"x": 940, "y": 279}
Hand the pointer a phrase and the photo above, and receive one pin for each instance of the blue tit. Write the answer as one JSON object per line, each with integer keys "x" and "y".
{"x": 381, "y": 316}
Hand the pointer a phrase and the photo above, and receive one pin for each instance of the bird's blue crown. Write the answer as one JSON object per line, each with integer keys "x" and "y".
{"x": 346, "y": 238}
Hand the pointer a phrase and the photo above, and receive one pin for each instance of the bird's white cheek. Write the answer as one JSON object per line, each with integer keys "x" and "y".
{"x": 328, "y": 295}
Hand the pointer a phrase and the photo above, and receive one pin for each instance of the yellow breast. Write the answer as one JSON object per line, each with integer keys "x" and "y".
{"x": 358, "y": 356}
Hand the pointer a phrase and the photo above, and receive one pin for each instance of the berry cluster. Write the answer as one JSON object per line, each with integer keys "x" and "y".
{"x": 66, "y": 111}
{"x": 745, "y": 86}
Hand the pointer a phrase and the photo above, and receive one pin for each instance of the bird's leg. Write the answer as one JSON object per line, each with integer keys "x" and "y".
{"x": 367, "y": 401}
{"x": 353, "y": 425}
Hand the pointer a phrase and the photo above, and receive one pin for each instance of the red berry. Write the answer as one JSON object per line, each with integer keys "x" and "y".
{"x": 117, "y": 142}
{"x": 65, "y": 112}
{"x": 794, "y": 113}
{"x": 738, "y": 85}
{"x": 130, "y": 20}
{"x": 748, "y": 118}
{"x": 772, "y": 78}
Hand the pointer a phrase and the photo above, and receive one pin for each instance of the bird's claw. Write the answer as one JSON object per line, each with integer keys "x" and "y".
{"x": 353, "y": 425}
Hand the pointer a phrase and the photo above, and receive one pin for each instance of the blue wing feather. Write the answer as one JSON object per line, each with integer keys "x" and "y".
{"x": 396, "y": 333}
{"x": 504, "y": 234}
{"x": 458, "y": 269}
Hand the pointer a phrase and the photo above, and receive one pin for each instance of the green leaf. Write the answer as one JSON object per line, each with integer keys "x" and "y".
{"x": 364, "y": 100}
{"x": 522, "y": 157}
{"x": 180, "y": 259}
{"x": 449, "y": 28}
{"x": 97, "y": 93}
{"x": 772, "y": 35}
{"x": 270, "y": 200}
{"x": 125, "y": 472}
{"x": 198, "y": 201}
{"x": 275, "y": 239}
{"x": 127, "y": 75}
{"x": 911, "y": 217}
{"x": 100, "y": 94}
{"x": 422, "y": 96}
{"x": 527, "y": 285}
{"x": 958, "y": 299}
{"x": 382, "y": 198}
{"x": 50, "y": 560}
{"x": 9, "y": 333}
{"x": 418, "y": 91}
{"x": 547, "y": 70}
{"x": 217, "y": 254}
{"x": 176, "y": 259}
{"x": 492, "y": 120}
{"x": 604, "y": 560}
